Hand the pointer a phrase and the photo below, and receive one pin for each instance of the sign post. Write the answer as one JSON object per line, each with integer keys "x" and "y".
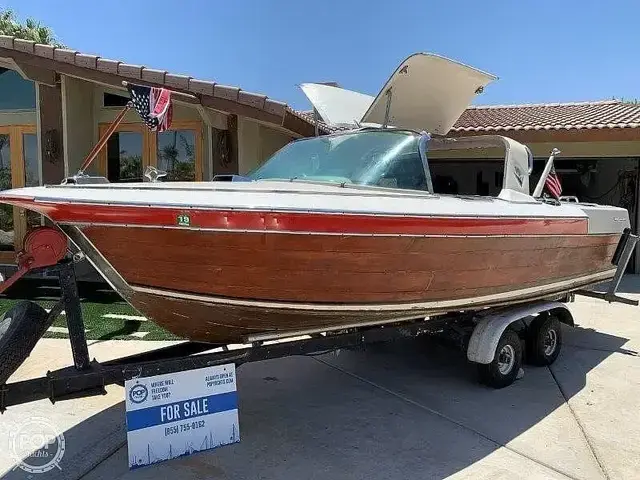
{"x": 178, "y": 414}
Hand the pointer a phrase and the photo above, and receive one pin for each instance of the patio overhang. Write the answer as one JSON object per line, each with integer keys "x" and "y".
{"x": 44, "y": 63}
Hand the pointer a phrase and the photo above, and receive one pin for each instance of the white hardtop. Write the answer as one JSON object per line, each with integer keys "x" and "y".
{"x": 426, "y": 92}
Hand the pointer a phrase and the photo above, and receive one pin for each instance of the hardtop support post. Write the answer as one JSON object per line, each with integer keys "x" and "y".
{"x": 387, "y": 112}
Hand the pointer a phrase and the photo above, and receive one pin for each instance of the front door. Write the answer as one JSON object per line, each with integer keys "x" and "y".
{"x": 18, "y": 168}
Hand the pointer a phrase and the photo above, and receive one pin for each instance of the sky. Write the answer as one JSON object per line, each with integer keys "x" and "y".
{"x": 541, "y": 50}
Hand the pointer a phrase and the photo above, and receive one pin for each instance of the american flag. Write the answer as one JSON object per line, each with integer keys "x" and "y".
{"x": 153, "y": 105}
{"x": 553, "y": 183}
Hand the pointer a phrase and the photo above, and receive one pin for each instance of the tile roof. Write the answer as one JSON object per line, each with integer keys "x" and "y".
{"x": 310, "y": 117}
{"x": 153, "y": 76}
{"x": 549, "y": 116}
{"x": 605, "y": 114}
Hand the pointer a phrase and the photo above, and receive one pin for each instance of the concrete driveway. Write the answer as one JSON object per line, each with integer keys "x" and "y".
{"x": 410, "y": 409}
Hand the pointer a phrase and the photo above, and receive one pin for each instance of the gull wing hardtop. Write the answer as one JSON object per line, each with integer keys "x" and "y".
{"x": 426, "y": 92}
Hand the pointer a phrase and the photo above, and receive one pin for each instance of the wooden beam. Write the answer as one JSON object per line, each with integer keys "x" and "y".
{"x": 212, "y": 119}
{"x": 242, "y": 110}
{"x": 37, "y": 74}
{"x": 115, "y": 80}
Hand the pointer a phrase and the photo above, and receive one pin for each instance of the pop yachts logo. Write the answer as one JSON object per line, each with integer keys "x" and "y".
{"x": 36, "y": 445}
{"x": 138, "y": 393}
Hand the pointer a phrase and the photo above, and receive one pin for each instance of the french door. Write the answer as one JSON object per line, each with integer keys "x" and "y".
{"x": 132, "y": 148}
{"x": 18, "y": 168}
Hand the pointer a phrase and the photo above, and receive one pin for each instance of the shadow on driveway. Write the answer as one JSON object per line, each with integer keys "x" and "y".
{"x": 408, "y": 409}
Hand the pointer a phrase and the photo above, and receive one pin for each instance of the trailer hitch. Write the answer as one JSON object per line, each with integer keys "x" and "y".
{"x": 42, "y": 247}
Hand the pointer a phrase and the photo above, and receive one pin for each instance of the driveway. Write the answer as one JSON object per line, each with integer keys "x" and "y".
{"x": 413, "y": 409}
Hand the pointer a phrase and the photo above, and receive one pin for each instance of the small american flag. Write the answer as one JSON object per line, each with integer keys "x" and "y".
{"x": 153, "y": 105}
{"x": 553, "y": 183}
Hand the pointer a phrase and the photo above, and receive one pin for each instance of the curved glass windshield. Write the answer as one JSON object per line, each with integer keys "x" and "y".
{"x": 383, "y": 158}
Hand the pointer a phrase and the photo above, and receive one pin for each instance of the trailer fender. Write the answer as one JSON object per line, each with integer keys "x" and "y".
{"x": 487, "y": 332}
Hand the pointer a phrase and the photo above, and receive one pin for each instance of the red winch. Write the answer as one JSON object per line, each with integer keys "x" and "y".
{"x": 42, "y": 247}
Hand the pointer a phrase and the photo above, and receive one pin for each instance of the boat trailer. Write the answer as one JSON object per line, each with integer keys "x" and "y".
{"x": 496, "y": 339}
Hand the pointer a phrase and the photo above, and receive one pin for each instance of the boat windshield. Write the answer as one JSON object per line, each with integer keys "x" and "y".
{"x": 377, "y": 157}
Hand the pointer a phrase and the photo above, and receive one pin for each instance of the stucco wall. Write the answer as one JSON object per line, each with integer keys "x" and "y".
{"x": 256, "y": 143}
{"x": 271, "y": 141}
{"x": 108, "y": 114}
{"x": 80, "y": 129}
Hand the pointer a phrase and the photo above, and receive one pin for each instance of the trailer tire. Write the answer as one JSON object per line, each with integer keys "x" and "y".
{"x": 544, "y": 340}
{"x": 20, "y": 329}
{"x": 506, "y": 364}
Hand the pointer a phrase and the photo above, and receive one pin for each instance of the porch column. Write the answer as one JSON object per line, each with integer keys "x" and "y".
{"x": 49, "y": 111}
{"x": 225, "y": 148}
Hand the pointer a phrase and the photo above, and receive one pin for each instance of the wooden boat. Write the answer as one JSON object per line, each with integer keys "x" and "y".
{"x": 337, "y": 231}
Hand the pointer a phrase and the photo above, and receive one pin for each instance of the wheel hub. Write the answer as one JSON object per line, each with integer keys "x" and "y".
{"x": 550, "y": 342}
{"x": 506, "y": 359}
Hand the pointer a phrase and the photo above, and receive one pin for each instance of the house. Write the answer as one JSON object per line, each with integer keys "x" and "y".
{"x": 599, "y": 144}
{"x": 56, "y": 102}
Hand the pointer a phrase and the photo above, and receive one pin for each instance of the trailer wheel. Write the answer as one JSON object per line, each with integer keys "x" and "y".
{"x": 544, "y": 340}
{"x": 20, "y": 329}
{"x": 506, "y": 364}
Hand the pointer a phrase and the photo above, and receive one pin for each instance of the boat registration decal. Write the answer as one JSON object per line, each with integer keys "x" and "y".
{"x": 184, "y": 220}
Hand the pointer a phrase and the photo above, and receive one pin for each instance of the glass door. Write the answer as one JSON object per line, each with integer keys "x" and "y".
{"x": 6, "y": 211}
{"x": 18, "y": 168}
{"x": 132, "y": 148}
{"x": 124, "y": 158}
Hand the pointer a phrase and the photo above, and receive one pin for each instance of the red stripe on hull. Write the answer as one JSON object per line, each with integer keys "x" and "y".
{"x": 303, "y": 222}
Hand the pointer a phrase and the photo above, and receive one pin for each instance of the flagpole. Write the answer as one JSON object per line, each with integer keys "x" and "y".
{"x": 103, "y": 140}
{"x": 537, "y": 193}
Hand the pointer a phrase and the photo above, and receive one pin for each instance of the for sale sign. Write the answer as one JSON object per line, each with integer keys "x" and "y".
{"x": 178, "y": 414}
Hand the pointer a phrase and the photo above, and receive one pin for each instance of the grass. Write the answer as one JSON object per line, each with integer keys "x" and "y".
{"x": 102, "y": 311}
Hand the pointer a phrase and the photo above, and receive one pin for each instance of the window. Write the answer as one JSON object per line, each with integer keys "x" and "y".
{"x": 31, "y": 172}
{"x": 461, "y": 176}
{"x": 177, "y": 155}
{"x": 113, "y": 100}
{"x": 124, "y": 157}
{"x": 18, "y": 168}
{"x": 133, "y": 147}
{"x": 16, "y": 93}
{"x": 382, "y": 158}
{"x": 6, "y": 211}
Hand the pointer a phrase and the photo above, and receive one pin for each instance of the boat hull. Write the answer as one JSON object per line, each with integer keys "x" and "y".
{"x": 231, "y": 263}
{"x": 230, "y": 286}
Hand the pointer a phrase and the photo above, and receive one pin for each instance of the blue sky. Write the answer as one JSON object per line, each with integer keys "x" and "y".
{"x": 542, "y": 50}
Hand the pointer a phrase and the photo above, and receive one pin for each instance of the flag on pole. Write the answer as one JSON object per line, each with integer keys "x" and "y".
{"x": 153, "y": 105}
{"x": 553, "y": 183}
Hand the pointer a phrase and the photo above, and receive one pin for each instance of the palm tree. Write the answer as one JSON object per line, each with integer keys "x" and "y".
{"x": 30, "y": 30}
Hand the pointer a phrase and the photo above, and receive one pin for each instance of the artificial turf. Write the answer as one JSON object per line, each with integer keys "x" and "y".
{"x": 98, "y": 303}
